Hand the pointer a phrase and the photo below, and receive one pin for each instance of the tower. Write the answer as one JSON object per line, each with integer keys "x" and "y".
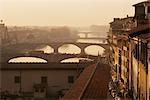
{"x": 3, "y": 33}
{"x": 142, "y": 13}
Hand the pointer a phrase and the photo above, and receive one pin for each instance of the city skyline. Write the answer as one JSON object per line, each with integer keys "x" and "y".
{"x": 64, "y": 12}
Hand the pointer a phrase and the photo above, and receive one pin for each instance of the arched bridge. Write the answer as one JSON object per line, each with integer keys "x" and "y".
{"x": 48, "y": 57}
{"x": 14, "y": 50}
{"x": 87, "y": 33}
{"x": 56, "y": 45}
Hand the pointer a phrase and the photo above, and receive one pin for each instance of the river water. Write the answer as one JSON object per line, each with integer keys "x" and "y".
{"x": 94, "y": 50}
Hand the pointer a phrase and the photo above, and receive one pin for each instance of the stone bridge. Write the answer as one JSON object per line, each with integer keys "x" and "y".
{"x": 48, "y": 57}
{"x": 56, "y": 45}
{"x": 44, "y": 66}
{"x": 13, "y": 51}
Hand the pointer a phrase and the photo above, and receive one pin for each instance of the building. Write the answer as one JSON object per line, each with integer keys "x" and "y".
{"x": 38, "y": 80}
{"x": 91, "y": 84}
{"x": 140, "y": 41}
{"x": 142, "y": 12}
{"x": 3, "y": 33}
{"x": 130, "y": 52}
{"x": 120, "y": 51}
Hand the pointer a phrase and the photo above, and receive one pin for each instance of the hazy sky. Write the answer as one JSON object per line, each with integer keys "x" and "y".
{"x": 64, "y": 12}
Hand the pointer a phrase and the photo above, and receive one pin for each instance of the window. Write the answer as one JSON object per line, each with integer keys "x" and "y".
{"x": 70, "y": 79}
{"x": 42, "y": 90}
{"x": 149, "y": 93}
{"x": 143, "y": 57}
{"x": 119, "y": 58}
{"x": 148, "y": 9}
{"x": 17, "y": 79}
{"x": 44, "y": 79}
{"x": 116, "y": 68}
{"x": 136, "y": 51}
{"x": 120, "y": 70}
{"x": 36, "y": 90}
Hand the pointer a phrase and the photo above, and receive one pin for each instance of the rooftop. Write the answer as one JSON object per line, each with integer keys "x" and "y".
{"x": 141, "y": 3}
{"x": 91, "y": 84}
{"x": 43, "y": 66}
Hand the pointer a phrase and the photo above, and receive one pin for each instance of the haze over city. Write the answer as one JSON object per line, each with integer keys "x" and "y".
{"x": 74, "y": 49}
{"x": 64, "y": 12}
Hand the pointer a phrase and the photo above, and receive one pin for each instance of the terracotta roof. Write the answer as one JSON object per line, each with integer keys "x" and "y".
{"x": 97, "y": 86}
{"x": 76, "y": 90}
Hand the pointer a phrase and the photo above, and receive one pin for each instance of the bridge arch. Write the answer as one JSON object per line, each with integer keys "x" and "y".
{"x": 75, "y": 60}
{"x": 46, "y": 48}
{"x": 94, "y": 50}
{"x": 27, "y": 59}
{"x": 69, "y": 49}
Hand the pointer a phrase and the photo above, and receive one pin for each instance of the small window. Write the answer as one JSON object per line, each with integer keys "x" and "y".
{"x": 44, "y": 79}
{"x": 70, "y": 79}
{"x": 42, "y": 90}
{"x": 36, "y": 90}
{"x": 148, "y": 9}
{"x": 17, "y": 79}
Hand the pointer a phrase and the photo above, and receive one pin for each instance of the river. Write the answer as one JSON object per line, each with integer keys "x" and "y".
{"x": 94, "y": 50}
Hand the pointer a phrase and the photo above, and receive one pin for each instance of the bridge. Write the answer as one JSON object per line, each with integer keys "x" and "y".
{"x": 86, "y": 33}
{"x": 45, "y": 66}
{"x": 13, "y": 51}
{"x": 97, "y": 38}
{"x": 56, "y": 45}
{"x": 49, "y": 57}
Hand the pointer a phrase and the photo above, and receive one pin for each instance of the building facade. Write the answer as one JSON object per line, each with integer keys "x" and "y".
{"x": 37, "y": 80}
{"x": 120, "y": 51}
{"x": 130, "y": 52}
{"x": 140, "y": 64}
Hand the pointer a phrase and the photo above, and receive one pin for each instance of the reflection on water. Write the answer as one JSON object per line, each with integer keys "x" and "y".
{"x": 94, "y": 50}
{"x": 90, "y": 41}
{"x": 75, "y": 60}
{"x": 45, "y": 48}
{"x": 27, "y": 59}
{"x": 69, "y": 49}
{"x": 82, "y": 35}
